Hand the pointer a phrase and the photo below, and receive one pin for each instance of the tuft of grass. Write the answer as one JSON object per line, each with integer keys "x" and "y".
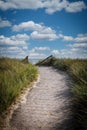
{"x": 14, "y": 76}
{"x": 77, "y": 69}
{"x": 79, "y": 74}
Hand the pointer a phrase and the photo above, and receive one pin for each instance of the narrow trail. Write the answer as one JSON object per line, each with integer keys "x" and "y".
{"x": 47, "y": 106}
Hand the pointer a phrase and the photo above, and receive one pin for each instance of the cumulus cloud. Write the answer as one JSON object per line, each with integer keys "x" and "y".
{"x": 40, "y": 49}
{"x": 54, "y": 5}
{"x": 20, "y": 4}
{"x": 19, "y": 39}
{"x": 29, "y": 25}
{"x": 55, "y": 52}
{"x": 50, "y": 6}
{"x": 76, "y": 49}
{"x": 13, "y": 51}
{"x": 38, "y": 52}
{"x": 17, "y": 46}
{"x": 65, "y": 38}
{"x": 4, "y": 23}
{"x": 72, "y": 52}
{"x": 39, "y": 31}
{"x": 75, "y": 7}
{"x": 80, "y": 42}
{"x": 79, "y": 47}
{"x": 43, "y": 36}
{"x": 81, "y": 38}
{"x": 14, "y": 46}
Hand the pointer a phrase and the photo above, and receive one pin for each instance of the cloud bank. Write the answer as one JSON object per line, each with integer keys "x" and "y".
{"x": 39, "y": 31}
{"x": 50, "y": 6}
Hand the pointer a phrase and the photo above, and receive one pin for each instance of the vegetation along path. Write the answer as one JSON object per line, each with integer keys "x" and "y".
{"x": 48, "y": 104}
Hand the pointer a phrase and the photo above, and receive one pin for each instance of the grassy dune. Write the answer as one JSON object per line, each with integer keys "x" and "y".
{"x": 77, "y": 69}
{"x": 14, "y": 76}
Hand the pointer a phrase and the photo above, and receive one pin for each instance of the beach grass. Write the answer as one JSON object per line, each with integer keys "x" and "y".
{"x": 14, "y": 76}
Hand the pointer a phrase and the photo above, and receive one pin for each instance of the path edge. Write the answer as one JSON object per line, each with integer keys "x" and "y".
{"x": 21, "y": 99}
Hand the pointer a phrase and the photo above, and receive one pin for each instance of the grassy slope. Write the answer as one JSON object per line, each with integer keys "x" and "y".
{"x": 14, "y": 76}
{"x": 77, "y": 69}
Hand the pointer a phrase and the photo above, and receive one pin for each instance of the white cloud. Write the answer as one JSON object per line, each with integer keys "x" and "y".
{"x": 43, "y": 36}
{"x": 12, "y": 51}
{"x": 50, "y": 6}
{"x": 4, "y": 5}
{"x": 33, "y": 55}
{"x": 19, "y": 39}
{"x": 65, "y": 38}
{"x": 54, "y": 5}
{"x": 20, "y": 4}
{"x": 30, "y": 25}
{"x": 81, "y": 38}
{"x": 80, "y": 42}
{"x": 40, "y": 32}
{"x": 14, "y": 46}
{"x": 36, "y": 55}
{"x": 76, "y": 6}
{"x": 65, "y": 53}
{"x": 77, "y": 49}
{"x": 40, "y": 49}
{"x": 72, "y": 53}
{"x": 68, "y": 38}
{"x": 47, "y": 30}
{"x": 4, "y": 23}
{"x": 38, "y": 52}
{"x": 55, "y": 52}
{"x": 74, "y": 49}
{"x": 78, "y": 45}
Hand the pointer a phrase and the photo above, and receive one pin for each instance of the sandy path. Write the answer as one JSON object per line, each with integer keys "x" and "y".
{"x": 47, "y": 106}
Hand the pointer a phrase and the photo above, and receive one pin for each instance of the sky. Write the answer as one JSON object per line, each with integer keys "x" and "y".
{"x": 39, "y": 28}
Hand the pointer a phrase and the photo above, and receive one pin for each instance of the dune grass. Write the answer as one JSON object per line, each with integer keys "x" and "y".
{"x": 77, "y": 69}
{"x": 14, "y": 76}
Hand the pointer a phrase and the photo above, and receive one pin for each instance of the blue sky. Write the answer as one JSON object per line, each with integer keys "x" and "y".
{"x": 39, "y": 28}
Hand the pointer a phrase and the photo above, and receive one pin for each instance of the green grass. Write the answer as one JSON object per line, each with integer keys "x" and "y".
{"x": 77, "y": 69}
{"x": 14, "y": 76}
